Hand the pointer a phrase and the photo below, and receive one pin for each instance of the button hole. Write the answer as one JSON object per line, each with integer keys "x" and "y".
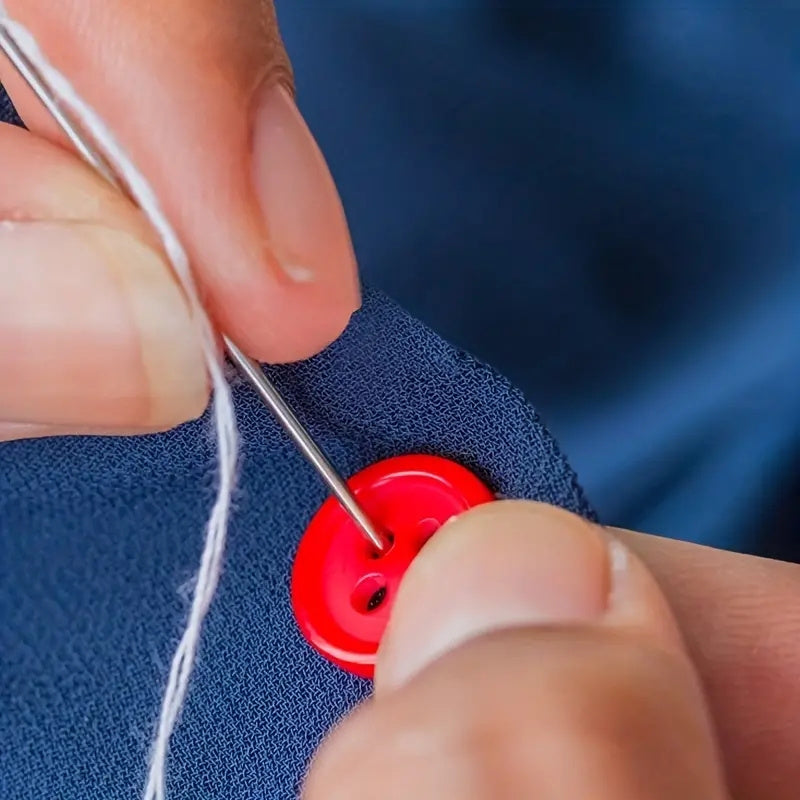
{"x": 374, "y": 554}
{"x": 377, "y": 599}
{"x": 369, "y": 594}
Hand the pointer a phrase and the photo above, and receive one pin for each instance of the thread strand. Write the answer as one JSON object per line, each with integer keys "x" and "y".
{"x": 223, "y": 411}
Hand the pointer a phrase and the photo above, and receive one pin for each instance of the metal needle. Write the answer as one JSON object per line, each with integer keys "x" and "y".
{"x": 41, "y": 89}
{"x": 249, "y": 368}
{"x": 271, "y": 397}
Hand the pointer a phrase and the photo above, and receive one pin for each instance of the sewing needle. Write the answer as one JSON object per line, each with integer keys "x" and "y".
{"x": 307, "y": 446}
{"x": 249, "y": 368}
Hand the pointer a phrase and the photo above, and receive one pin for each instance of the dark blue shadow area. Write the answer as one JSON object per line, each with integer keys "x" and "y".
{"x": 603, "y": 202}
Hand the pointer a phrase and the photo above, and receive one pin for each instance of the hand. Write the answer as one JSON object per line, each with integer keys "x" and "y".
{"x": 532, "y": 655}
{"x": 94, "y": 334}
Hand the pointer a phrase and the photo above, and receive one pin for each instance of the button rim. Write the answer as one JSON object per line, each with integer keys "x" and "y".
{"x": 319, "y": 538}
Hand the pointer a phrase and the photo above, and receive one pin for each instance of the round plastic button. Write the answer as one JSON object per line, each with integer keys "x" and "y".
{"x": 342, "y": 591}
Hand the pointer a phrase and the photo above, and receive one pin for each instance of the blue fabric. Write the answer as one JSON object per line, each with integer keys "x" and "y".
{"x": 7, "y": 111}
{"x": 603, "y": 201}
{"x": 98, "y": 534}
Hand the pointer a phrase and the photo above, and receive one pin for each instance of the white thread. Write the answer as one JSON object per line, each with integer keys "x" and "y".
{"x": 223, "y": 411}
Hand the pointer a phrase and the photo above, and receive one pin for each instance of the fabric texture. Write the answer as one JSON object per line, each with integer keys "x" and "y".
{"x": 633, "y": 168}
{"x": 600, "y": 200}
{"x": 7, "y": 111}
{"x": 97, "y": 534}
{"x": 612, "y": 192}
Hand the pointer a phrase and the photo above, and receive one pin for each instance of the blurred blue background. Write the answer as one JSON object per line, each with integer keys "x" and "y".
{"x": 603, "y": 201}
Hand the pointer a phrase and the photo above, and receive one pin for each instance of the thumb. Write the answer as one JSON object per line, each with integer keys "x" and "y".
{"x": 528, "y": 655}
{"x": 199, "y": 93}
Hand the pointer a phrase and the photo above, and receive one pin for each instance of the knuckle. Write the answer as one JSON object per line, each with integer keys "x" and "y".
{"x": 279, "y": 67}
{"x": 613, "y": 685}
{"x": 406, "y": 748}
{"x": 512, "y": 715}
{"x": 573, "y": 692}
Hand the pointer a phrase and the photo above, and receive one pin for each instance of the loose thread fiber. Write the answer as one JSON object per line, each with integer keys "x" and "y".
{"x": 223, "y": 411}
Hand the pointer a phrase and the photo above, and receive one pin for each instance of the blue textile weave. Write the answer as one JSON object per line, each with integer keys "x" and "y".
{"x": 98, "y": 534}
{"x": 611, "y": 190}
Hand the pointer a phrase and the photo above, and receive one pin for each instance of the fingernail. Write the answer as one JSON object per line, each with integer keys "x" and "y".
{"x": 98, "y": 315}
{"x": 302, "y": 211}
{"x": 492, "y": 570}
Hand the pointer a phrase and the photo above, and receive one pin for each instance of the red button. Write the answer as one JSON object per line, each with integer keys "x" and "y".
{"x": 342, "y": 592}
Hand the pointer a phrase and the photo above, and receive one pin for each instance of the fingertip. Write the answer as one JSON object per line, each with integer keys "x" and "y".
{"x": 502, "y": 564}
{"x": 301, "y": 287}
{"x": 232, "y": 161}
{"x": 515, "y": 564}
{"x": 277, "y": 321}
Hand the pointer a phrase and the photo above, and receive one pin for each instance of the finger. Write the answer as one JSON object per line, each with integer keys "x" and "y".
{"x": 13, "y": 431}
{"x": 527, "y": 657}
{"x": 198, "y": 93}
{"x": 94, "y": 332}
{"x": 740, "y": 617}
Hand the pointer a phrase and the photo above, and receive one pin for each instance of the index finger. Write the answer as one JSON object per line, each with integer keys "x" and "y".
{"x": 740, "y": 617}
{"x": 199, "y": 93}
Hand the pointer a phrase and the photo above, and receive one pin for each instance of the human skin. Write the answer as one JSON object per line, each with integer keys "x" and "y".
{"x": 563, "y": 660}
{"x": 199, "y": 93}
{"x": 532, "y": 654}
